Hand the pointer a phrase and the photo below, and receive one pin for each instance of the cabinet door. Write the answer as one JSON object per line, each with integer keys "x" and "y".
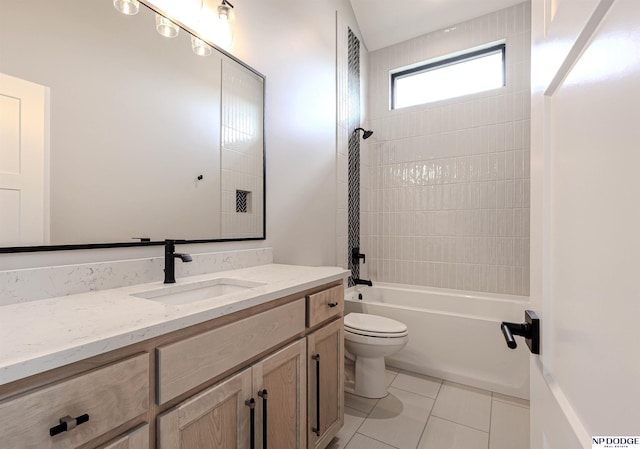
{"x": 217, "y": 417}
{"x": 325, "y": 352}
{"x": 284, "y": 377}
{"x": 136, "y": 439}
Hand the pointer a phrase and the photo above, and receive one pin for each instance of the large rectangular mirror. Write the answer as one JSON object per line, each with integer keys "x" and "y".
{"x": 112, "y": 134}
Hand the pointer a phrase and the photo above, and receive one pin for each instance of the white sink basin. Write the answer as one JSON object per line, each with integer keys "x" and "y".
{"x": 196, "y": 291}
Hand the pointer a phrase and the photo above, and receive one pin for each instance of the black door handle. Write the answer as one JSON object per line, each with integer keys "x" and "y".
{"x": 264, "y": 395}
{"x": 316, "y": 429}
{"x": 251, "y": 403}
{"x": 530, "y": 330}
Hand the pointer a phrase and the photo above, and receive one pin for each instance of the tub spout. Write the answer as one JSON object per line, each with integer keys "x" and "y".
{"x": 362, "y": 282}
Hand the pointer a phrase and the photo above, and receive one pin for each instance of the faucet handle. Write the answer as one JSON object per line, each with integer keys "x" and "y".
{"x": 356, "y": 256}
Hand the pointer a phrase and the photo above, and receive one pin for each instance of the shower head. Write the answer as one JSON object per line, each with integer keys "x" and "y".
{"x": 365, "y": 133}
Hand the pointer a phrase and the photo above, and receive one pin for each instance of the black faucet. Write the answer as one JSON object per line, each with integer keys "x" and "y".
{"x": 169, "y": 261}
{"x": 362, "y": 282}
{"x": 356, "y": 256}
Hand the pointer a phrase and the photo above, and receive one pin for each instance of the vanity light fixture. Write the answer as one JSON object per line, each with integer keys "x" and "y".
{"x": 223, "y": 33}
{"x": 224, "y": 10}
{"x": 200, "y": 47}
{"x": 128, "y": 7}
{"x": 166, "y": 27}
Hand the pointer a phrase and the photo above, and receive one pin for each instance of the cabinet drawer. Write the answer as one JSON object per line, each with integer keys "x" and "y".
{"x": 188, "y": 363}
{"x": 136, "y": 439}
{"x": 324, "y": 305}
{"x": 110, "y": 396}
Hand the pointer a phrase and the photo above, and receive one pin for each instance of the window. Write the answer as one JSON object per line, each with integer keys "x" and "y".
{"x": 465, "y": 74}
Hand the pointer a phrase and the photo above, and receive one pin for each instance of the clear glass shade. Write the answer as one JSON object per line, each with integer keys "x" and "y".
{"x": 166, "y": 27}
{"x": 128, "y": 7}
{"x": 200, "y": 47}
{"x": 223, "y": 35}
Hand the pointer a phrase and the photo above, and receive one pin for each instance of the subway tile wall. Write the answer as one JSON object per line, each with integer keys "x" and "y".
{"x": 241, "y": 148}
{"x": 445, "y": 200}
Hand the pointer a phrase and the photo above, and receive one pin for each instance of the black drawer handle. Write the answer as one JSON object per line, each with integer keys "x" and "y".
{"x": 264, "y": 395}
{"x": 251, "y": 403}
{"x": 316, "y": 429}
{"x": 68, "y": 423}
{"x": 333, "y": 304}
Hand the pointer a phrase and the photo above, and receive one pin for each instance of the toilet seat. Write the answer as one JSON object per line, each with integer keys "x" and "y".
{"x": 375, "y": 334}
{"x": 374, "y": 326}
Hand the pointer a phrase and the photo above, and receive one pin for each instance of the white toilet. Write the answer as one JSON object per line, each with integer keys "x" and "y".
{"x": 371, "y": 338}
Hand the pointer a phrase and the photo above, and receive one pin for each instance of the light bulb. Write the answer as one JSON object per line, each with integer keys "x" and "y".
{"x": 128, "y": 7}
{"x": 223, "y": 12}
{"x": 166, "y": 27}
{"x": 200, "y": 47}
{"x": 223, "y": 34}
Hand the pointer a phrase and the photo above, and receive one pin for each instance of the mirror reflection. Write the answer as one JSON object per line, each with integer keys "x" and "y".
{"x": 111, "y": 132}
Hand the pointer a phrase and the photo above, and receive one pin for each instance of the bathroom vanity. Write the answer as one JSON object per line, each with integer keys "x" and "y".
{"x": 257, "y": 363}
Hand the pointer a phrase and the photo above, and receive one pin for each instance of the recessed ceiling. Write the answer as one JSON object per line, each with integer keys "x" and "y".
{"x": 385, "y": 22}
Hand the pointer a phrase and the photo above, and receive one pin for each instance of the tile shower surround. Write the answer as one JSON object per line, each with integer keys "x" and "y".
{"x": 445, "y": 186}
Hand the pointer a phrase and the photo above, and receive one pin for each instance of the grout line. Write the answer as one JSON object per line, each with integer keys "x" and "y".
{"x": 464, "y": 425}
{"x": 414, "y": 392}
{"x": 357, "y": 428}
{"x": 374, "y": 439}
{"x": 424, "y": 429}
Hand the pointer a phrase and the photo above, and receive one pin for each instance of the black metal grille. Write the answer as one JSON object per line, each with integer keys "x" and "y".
{"x": 242, "y": 201}
{"x": 354, "y": 153}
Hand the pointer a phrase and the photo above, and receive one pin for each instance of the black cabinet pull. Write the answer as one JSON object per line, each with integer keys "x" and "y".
{"x": 333, "y": 304}
{"x": 251, "y": 403}
{"x": 68, "y": 423}
{"x": 316, "y": 429}
{"x": 263, "y": 394}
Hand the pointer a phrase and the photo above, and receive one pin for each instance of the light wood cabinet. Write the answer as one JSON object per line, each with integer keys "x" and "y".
{"x": 192, "y": 388}
{"x": 217, "y": 417}
{"x": 221, "y": 416}
{"x": 324, "y": 305}
{"x": 136, "y": 439}
{"x": 284, "y": 377}
{"x": 188, "y": 363}
{"x": 325, "y": 354}
{"x": 106, "y": 397}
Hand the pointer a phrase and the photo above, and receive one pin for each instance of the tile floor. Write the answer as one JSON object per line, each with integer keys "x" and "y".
{"x": 422, "y": 412}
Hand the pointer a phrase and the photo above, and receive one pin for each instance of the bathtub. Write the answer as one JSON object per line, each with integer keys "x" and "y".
{"x": 454, "y": 335}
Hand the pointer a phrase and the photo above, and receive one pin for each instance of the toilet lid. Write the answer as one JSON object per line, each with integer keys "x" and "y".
{"x": 373, "y": 324}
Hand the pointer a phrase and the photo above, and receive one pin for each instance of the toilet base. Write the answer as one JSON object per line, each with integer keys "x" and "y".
{"x": 370, "y": 377}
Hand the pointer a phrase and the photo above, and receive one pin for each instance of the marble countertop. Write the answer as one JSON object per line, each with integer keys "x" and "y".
{"x": 37, "y": 336}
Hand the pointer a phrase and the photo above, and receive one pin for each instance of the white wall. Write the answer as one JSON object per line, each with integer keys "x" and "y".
{"x": 297, "y": 53}
{"x": 446, "y": 199}
{"x": 293, "y": 44}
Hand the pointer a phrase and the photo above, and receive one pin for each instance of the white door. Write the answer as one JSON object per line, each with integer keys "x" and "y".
{"x": 22, "y": 162}
{"x": 585, "y": 221}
